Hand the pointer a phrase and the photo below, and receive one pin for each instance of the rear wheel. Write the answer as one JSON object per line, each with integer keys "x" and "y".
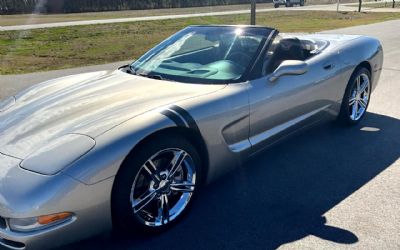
{"x": 155, "y": 185}
{"x": 301, "y": 2}
{"x": 276, "y": 5}
{"x": 356, "y": 98}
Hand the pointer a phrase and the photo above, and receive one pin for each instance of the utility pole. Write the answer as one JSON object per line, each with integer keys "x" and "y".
{"x": 253, "y": 12}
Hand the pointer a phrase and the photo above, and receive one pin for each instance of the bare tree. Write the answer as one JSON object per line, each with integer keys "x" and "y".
{"x": 359, "y": 5}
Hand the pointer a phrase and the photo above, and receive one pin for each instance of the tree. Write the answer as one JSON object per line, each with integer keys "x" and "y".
{"x": 359, "y": 5}
{"x": 393, "y": 4}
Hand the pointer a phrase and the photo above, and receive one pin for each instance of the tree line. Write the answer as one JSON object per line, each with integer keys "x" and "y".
{"x": 72, "y": 6}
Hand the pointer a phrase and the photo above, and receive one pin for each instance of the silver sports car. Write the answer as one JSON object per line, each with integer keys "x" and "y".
{"x": 130, "y": 148}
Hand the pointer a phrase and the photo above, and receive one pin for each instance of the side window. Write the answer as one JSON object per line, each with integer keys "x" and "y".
{"x": 269, "y": 56}
{"x": 282, "y": 50}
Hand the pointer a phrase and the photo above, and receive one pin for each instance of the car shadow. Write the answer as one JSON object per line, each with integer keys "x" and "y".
{"x": 281, "y": 195}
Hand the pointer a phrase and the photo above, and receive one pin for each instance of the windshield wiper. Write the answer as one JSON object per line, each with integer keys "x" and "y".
{"x": 157, "y": 77}
{"x": 131, "y": 70}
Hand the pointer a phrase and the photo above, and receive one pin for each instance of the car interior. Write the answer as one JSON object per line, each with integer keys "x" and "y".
{"x": 214, "y": 58}
{"x": 225, "y": 57}
{"x": 290, "y": 48}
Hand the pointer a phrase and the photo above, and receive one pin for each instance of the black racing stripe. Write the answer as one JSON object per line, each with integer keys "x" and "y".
{"x": 174, "y": 117}
{"x": 189, "y": 119}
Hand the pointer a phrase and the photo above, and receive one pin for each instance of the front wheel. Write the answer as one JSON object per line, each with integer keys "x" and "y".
{"x": 276, "y": 5}
{"x": 301, "y": 2}
{"x": 356, "y": 98}
{"x": 155, "y": 185}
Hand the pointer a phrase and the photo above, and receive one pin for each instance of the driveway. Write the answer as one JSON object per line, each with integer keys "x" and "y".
{"x": 329, "y": 187}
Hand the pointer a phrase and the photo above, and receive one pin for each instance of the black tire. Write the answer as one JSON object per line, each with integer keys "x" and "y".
{"x": 345, "y": 113}
{"x": 276, "y": 5}
{"x": 302, "y": 3}
{"x": 124, "y": 220}
{"x": 287, "y": 4}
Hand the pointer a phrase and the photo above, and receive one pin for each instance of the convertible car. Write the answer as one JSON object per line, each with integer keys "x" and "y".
{"x": 129, "y": 149}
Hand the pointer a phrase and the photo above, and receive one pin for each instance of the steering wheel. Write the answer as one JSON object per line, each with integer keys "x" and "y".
{"x": 238, "y": 57}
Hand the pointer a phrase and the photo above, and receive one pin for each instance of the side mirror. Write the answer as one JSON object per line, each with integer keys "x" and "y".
{"x": 289, "y": 67}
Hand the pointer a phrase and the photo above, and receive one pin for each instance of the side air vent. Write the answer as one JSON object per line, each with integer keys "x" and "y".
{"x": 3, "y": 223}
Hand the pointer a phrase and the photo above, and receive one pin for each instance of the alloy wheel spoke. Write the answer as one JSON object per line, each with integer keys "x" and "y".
{"x": 151, "y": 169}
{"x": 362, "y": 103}
{"x": 185, "y": 187}
{"x": 163, "y": 209}
{"x": 176, "y": 162}
{"x": 363, "y": 87}
{"x": 144, "y": 200}
{"x": 358, "y": 84}
{"x": 355, "y": 110}
{"x": 351, "y": 101}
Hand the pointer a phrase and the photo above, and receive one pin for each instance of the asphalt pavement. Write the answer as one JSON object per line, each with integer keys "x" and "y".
{"x": 330, "y": 187}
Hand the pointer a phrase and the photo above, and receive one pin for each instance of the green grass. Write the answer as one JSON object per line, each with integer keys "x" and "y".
{"x": 58, "y": 48}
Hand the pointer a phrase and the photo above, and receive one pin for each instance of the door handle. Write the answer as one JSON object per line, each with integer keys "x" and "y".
{"x": 328, "y": 66}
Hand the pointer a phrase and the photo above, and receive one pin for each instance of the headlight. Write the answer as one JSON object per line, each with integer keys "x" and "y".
{"x": 37, "y": 223}
{"x": 7, "y": 103}
{"x": 58, "y": 154}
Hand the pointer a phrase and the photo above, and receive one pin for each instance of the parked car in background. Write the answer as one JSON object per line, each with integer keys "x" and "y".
{"x": 288, "y": 3}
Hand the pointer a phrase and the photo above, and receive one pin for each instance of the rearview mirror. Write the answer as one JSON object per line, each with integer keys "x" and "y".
{"x": 289, "y": 67}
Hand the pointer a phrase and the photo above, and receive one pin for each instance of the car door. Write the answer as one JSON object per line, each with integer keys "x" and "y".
{"x": 291, "y": 102}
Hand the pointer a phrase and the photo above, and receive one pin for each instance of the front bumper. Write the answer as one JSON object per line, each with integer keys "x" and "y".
{"x": 24, "y": 194}
{"x": 39, "y": 239}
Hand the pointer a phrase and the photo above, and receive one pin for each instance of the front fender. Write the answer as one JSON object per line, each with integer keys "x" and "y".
{"x": 112, "y": 147}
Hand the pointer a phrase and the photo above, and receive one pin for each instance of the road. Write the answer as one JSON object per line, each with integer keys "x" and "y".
{"x": 325, "y": 7}
{"x": 327, "y": 188}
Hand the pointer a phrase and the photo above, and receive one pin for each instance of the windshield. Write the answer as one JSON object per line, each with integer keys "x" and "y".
{"x": 203, "y": 54}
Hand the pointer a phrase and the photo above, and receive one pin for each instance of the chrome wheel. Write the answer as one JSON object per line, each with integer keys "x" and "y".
{"x": 163, "y": 187}
{"x": 359, "y": 97}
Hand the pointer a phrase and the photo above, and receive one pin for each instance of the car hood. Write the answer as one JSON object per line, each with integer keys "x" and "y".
{"x": 89, "y": 104}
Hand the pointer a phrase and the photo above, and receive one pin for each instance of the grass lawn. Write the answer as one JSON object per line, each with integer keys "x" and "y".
{"x": 58, "y": 48}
